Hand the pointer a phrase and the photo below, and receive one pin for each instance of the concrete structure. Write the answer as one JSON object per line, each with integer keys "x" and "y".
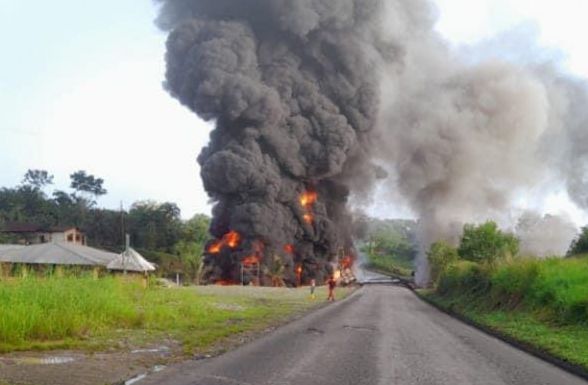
{"x": 31, "y": 234}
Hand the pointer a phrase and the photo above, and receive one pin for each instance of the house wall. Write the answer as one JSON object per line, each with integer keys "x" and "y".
{"x": 70, "y": 236}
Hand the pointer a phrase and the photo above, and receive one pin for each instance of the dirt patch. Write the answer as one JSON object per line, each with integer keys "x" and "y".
{"x": 77, "y": 368}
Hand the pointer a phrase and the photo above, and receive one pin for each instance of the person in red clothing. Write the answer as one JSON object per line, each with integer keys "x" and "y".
{"x": 332, "y": 284}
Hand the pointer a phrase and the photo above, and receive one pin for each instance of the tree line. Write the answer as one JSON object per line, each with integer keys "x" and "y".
{"x": 156, "y": 229}
{"x": 488, "y": 245}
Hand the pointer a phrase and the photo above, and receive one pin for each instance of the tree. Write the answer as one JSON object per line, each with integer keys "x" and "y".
{"x": 196, "y": 229}
{"x": 155, "y": 226}
{"x": 580, "y": 244}
{"x": 440, "y": 256}
{"x": 391, "y": 239}
{"x": 189, "y": 258}
{"x": 37, "y": 179}
{"x": 486, "y": 243}
{"x": 26, "y": 204}
{"x": 85, "y": 183}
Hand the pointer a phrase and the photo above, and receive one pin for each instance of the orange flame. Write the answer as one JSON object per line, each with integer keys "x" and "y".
{"x": 298, "y": 271}
{"x": 231, "y": 239}
{"x": 224, "y": 282}
{"x": 289, "y": 248}
{"x": 250, "y": 260}
{"x": 307, "y": 201}
{"x": 336, "y": 274}
{"x": 308, "y": 198}
{"x": 215, "y": 248}
{"x": 347, "y": 262}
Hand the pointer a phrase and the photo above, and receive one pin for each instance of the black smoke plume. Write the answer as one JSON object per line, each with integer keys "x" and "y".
{"x": 293, "y": 89}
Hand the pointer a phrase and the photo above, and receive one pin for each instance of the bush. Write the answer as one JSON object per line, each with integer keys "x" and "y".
{"x": 580, "y": 244}
{"x": 486, "y": 243}
{"x": 440, "y": 256}
{"x": 556, "y": 289}
{"x": 512, "y": 282}
{"x": 562, "y": 288}
{"x": 464, "y": 278}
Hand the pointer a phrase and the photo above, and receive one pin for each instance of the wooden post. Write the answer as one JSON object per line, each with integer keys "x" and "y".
{"x": 127, "y": 245}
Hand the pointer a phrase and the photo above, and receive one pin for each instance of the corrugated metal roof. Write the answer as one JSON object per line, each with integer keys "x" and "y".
{"x": 18, "y": 227}
{"x": 58, "y": 254}
{"x": 130, "y": 260}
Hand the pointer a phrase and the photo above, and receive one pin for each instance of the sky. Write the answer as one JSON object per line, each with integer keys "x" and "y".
{"x": 81, "y": 89}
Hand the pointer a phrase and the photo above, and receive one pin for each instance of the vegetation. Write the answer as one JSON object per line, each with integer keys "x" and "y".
{"x": 49, "y": 313}
{"x": 580, "y": 244}
{"x": 543, "y": 303}
{"x": 389, "y": 245}
{"x": 486, "y": 243}
{"x": 389, "y": 264}
{"x": 156, "y": 229}
{"x": 440, "y": 256}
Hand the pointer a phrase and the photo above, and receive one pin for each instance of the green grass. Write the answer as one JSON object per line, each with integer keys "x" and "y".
{"x": 567, "y": 342}
{"x": 543, "y": 303}
{"x": 71, "y": 312}
{"x": 390, "y": 264}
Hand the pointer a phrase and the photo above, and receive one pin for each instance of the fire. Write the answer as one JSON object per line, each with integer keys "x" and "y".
{"x": 298, "y": 271}
{"x": 289, "y": 248}
{"x": 308, "y": 198}
{"x": 347, "y": 262}
{"x": 336, "y": 274}
{"x": 230, "y": 239}
{"x": 215, "y": 248}
{"x": 250, "y": 260}
{"x": 224, "y": 282}
{"x": 307, "y": 201}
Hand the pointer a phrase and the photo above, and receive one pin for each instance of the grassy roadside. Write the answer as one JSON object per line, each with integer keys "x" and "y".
{"x": 565, "y": 342}
{"x": 65, "y": 313}
{"x": 390, "y": 264}
{"x": 542, "y": 304}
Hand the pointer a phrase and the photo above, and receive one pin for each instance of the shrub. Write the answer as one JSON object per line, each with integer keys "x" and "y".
{"x": 556, "y": 289}
{"x": 486, "y": 243}
{"x": 440, "y": 256}
{"x": 457, "y": 278}
{"x": 512, "y": 282}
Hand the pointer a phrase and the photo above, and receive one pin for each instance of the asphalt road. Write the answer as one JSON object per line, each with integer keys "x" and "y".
{"x": 380, "y": 335}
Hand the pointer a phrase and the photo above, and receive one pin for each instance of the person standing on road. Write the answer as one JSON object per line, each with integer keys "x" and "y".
{"x": 332, "y": 284}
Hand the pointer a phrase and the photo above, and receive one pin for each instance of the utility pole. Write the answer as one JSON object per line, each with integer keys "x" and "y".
{"x": 124, "y": 255}
{"x": 122, "y": 225}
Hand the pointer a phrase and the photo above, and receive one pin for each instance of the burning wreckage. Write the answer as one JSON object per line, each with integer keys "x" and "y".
{"x": 293, "y": 90}
{"x": 233, "y": 260}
